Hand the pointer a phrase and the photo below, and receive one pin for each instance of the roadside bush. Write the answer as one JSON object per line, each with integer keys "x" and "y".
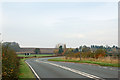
{"x": 100, "y": 53}
{"x": 77, "y": 55}
{"x": 68, "y": 51}
{"x": 10, "y": 64}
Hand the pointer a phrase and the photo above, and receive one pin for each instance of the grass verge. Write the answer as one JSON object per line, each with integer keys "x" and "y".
{"x": 24, "y": 70}
{"x": 84, "y": 61}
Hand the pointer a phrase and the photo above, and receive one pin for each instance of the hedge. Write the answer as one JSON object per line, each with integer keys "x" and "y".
{"x": 10, "y": 64}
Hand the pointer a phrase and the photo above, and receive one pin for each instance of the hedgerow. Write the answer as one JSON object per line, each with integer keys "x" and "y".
{"x": 10, "y": 64}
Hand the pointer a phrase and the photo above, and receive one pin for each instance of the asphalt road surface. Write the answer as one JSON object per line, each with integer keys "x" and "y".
{"x": 49, "y": 70}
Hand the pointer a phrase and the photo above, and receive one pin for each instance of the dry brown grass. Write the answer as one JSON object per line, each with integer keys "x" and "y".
{"x": 104, "y": 59}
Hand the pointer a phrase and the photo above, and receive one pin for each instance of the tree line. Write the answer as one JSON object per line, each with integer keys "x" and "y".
{"x": 86, "y": 52}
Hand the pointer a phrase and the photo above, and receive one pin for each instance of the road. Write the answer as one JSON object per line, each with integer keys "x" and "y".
{"x": 49, "y": 70}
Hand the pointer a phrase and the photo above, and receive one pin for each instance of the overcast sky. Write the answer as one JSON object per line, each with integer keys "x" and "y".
{"x": 45, "y": 24}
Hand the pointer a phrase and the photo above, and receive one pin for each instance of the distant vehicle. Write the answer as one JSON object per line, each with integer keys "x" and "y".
{"x": 27, "y": 53}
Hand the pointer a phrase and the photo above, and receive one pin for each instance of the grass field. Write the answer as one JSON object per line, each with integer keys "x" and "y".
{"x": 85, "y": 61}
{"x": 32, "y": 55}
{"x": 25, "y": 71}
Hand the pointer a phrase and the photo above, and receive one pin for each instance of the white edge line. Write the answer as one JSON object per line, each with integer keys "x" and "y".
{"x": 33, "y": 71}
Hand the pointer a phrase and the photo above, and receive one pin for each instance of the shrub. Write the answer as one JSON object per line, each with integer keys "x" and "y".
{"x": 99, "y": 53}
{"x": 10, "y": 63}
{"x": 56, "y": 51}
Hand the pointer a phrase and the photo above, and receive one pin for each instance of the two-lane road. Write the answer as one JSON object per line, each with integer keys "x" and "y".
{"x": 65, "y": 70}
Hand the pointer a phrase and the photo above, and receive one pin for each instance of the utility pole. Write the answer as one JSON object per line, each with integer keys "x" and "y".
{"x": 80, "y": 50}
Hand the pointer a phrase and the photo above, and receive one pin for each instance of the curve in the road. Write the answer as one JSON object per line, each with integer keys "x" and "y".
{"x": 49, "y": 69}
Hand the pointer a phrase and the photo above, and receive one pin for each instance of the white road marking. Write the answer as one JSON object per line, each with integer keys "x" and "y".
{"x": 33, "y": 71}
{"x": 108, "y": 68}
{"x": 105, "y": 67}
{"x": 75, "y": 71}
{"x": 111, "y": 69}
